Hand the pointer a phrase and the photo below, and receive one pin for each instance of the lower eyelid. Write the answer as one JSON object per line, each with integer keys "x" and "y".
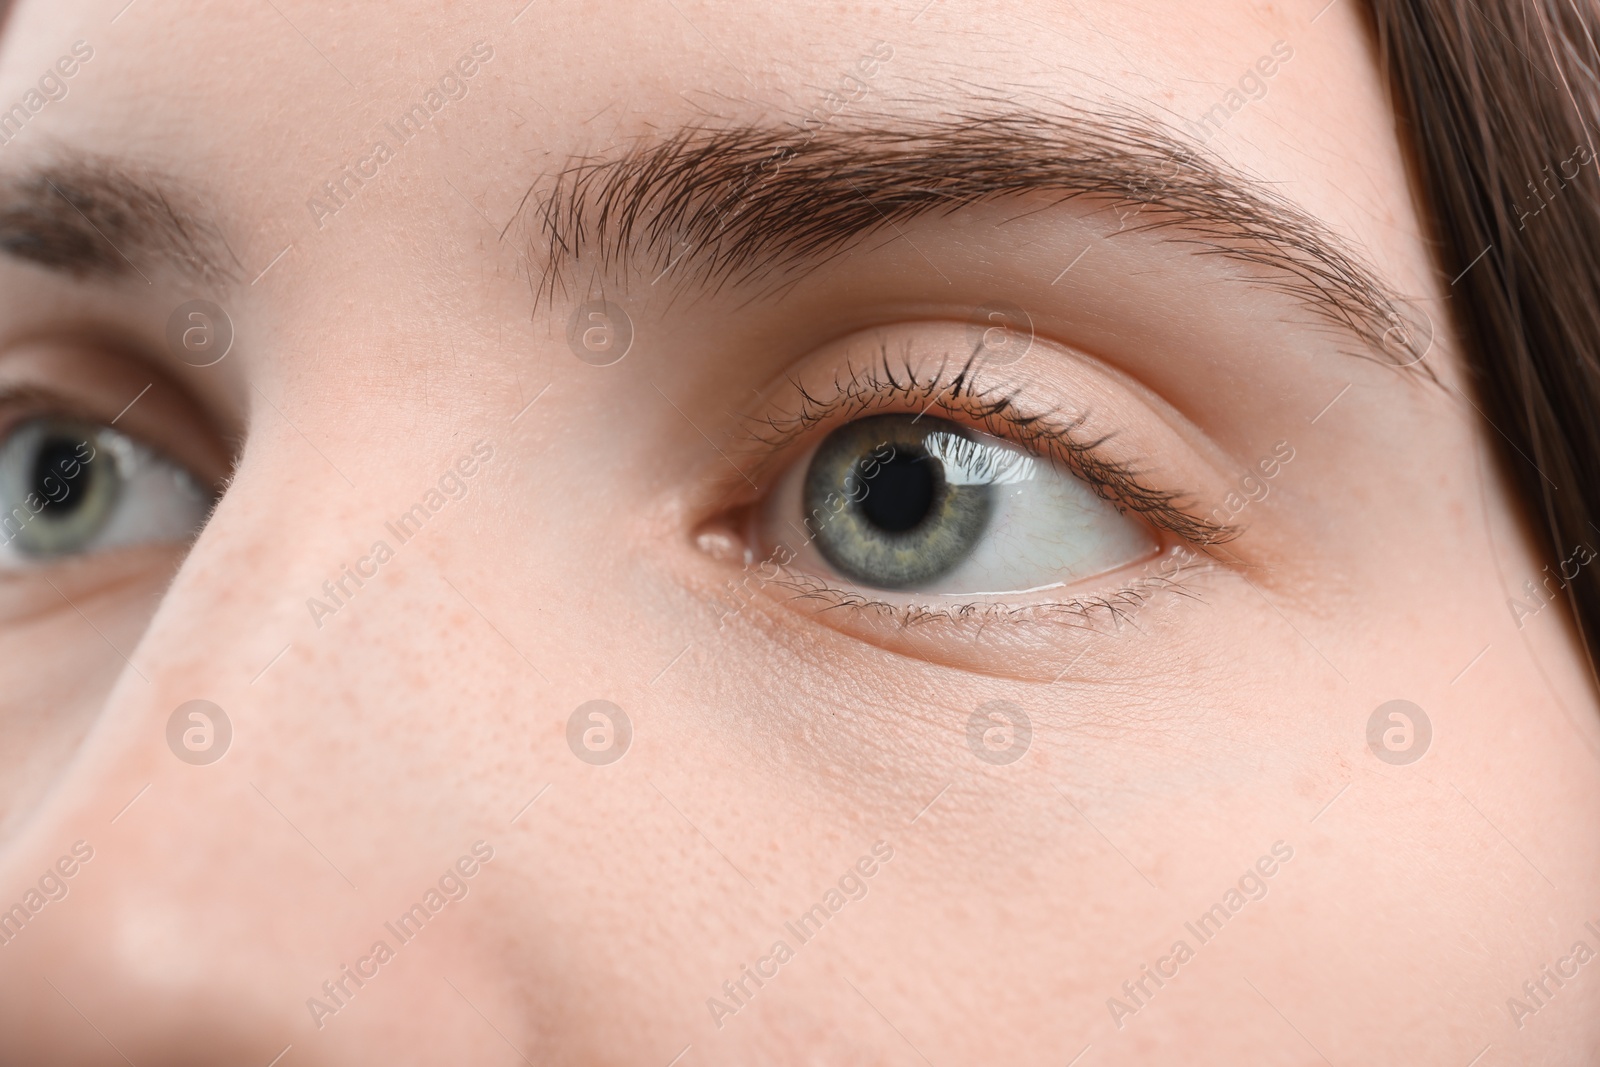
{"x": 1103, "y": 593}
{"x": 1028, "y": 640}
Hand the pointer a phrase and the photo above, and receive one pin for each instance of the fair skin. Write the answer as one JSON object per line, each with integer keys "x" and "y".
{"x": 777, "y": 738}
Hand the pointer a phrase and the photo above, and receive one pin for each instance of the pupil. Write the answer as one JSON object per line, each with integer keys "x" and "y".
{"x": 57, "y": 456}
{"x": 901, "y": 495}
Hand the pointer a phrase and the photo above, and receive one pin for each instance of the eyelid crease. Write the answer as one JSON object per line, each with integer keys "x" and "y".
{"x": 963, "y": 397}
{"x": 20, "y": 403}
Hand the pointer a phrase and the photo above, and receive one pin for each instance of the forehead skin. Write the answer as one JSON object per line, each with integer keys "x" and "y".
{"x": 377, "y": 343}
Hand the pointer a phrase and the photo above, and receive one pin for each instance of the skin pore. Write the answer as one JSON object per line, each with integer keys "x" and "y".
{"x": 804, "y": 212}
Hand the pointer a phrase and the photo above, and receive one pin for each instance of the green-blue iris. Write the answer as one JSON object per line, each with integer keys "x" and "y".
{"x": 883, "y": 507}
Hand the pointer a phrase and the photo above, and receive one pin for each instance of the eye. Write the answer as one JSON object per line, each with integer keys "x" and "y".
{"x": 72, "y": 488}
{"x": 896, "y": 487}
{"x": 919, "y": 504}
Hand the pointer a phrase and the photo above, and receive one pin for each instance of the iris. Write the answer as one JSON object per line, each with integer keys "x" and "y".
{"x": 909, "y": 518}
{"x": 56, "y": 490}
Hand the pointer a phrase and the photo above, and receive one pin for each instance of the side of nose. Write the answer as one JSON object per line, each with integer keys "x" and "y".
{"x": 237, "y": 824}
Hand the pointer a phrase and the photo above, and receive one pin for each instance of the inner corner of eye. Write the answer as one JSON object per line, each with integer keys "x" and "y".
{"x": 720, "y": 540}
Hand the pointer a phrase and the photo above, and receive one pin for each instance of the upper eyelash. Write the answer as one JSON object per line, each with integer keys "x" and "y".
{"x": 1052, "y": 434}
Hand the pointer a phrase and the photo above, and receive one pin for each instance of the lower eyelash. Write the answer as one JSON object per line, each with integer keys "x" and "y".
{"x": 959, "y": 395}
{"x": 1120, "y": 607}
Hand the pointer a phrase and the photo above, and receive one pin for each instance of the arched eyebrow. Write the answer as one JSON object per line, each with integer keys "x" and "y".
{"x": 93, "y": 218}
{"x": 764, "y": 204}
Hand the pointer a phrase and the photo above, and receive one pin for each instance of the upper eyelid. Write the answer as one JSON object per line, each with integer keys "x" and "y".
{"x": 22, "y": 403}
{"x": 962, "y": 395}
{"x": 18, "y": 404}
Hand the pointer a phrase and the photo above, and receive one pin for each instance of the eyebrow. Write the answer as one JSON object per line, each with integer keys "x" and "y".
{"x": 91, "y": 218}
{"x": 738, "y": 204}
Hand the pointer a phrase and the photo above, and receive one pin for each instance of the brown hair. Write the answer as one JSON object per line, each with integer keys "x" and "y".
{"x": 1494, "y": 99}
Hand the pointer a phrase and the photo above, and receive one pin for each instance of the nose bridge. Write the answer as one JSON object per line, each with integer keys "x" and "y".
{"x": 208, "y": 857}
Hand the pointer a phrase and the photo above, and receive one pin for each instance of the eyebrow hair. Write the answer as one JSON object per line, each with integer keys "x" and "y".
{"x": 740, "y": 203}
{"x": 91, "y": 218}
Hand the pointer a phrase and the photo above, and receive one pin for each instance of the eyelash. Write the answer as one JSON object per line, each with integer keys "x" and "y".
{"x": 878, "y": 388}
{"x": 1081, "y": 612}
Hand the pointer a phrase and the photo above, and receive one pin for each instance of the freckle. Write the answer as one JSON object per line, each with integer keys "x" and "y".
{"x": 1307, "y": 786}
